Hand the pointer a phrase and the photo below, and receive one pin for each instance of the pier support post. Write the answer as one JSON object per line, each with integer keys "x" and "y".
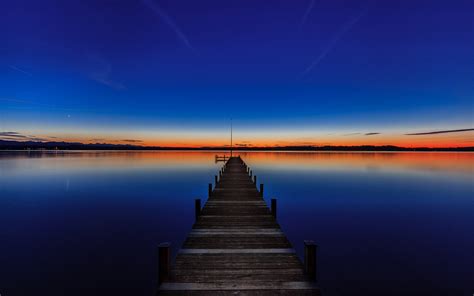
{"x": 274, "y": 208}
{"x": 163, "y": 262}
{"x": 197, "y": 208}
{"x": 261, "y": 190}
{"x": 220, "y": 175}
{"x": 310, "y": 259}
{"x": 215, "y": 180}
{"x": 255, "y": 179}
{"x": 210, "y": 189}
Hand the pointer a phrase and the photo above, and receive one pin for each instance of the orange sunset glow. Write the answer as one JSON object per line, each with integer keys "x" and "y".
{"x": 271, "y": 139}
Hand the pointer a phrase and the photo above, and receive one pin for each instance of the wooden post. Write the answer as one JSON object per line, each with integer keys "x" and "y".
{"x": 310, "y": 259}
{"x": 261, "y": 190}
{"x": 274, "y": 208}
{"x": 210, "y": 189}
{"x": 215, "y": 180}
{"x": 197, "y": 208}
{"x": 163, "y": 262}
{"x": 220, "y": 175}
{"x": 255, "y": 179}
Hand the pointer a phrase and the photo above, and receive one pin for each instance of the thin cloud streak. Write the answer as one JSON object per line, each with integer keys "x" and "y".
{"x": 306, "y": 13}
{"x": 131, "y": 141}
{"x": 15, "y": 136}
{"x": 13, "y": 67}
{"x": 333, "y": 43}
{"x": 32, "y": 103}
{"x": 11, "y": 135}
{"x": 107, "y": 82}
{"x": 352, "y": 134}
{"x": 101, "y": 72}
{"x": 170, "y": 22}
{"x": 441, "y": 132}
{"x": 372, "y": 134}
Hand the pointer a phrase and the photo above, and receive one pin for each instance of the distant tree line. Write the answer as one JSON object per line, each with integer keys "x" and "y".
{"x": 32, "y": 145}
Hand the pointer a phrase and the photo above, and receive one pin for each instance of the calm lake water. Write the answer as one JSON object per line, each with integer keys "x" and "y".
{"x": 88, "y": 223}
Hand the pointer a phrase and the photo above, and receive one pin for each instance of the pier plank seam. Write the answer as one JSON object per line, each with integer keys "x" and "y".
{"x": 236, "y": 245}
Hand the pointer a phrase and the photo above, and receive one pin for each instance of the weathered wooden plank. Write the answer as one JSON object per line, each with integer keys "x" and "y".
{"x": 237, "y": 251}
{"x": 241, "y": 233}
{"x": 240, "y": 286}
{"x": 237, "y": 246}
{"x": 234, "y": 226}
{"x": 232, "y": 202}
{"x": 240, "y": 292}
{"x": 246, "y": 277}
{"x": 237, "y": 229}
{"x": 238, "y": 261}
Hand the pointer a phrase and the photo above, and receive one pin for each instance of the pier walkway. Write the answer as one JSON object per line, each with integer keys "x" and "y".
{"x": 236, "y": 246}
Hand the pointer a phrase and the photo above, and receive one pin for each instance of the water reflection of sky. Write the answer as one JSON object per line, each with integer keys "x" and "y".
{"x": 92, "y": 220}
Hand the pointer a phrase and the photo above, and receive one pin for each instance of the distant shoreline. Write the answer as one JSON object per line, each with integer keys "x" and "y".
{"x": 66, "y": 146}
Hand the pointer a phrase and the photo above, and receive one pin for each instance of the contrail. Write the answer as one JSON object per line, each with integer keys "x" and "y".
{"x": 441, "y": 132}
{"x": 50, "y": 106}
{"x": 307, "y": 12}
{"x": 169, "y": 21}
{"x": 101, "y": 72}
{"x": 20, "y": 70}
{"x": 37, "y": 105}
{"x": 333, "y": 42}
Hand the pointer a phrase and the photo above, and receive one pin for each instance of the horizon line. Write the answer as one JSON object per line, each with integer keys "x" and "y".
{"x": 62, "y": 145}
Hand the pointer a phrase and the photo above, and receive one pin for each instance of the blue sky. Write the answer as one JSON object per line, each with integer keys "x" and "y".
{"x": 156, "y": 70}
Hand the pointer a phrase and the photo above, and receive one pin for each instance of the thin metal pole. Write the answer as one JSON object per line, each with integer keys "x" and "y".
{"x": 231, "y": 137}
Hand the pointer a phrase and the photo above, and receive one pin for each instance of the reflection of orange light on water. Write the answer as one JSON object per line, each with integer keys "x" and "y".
{"x": 151, "y": 158}
{"x": 460, "y": 162}
{"x": 432, "y": 161}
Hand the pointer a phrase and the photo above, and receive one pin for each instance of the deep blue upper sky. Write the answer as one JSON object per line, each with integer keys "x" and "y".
{"x": 150, "y": 65}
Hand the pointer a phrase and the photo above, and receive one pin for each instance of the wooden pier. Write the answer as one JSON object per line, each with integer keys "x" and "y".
{"x": 236, "y": 246}
{"x": 223, "y": 158}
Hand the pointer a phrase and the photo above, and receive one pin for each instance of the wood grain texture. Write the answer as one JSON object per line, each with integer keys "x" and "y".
{"x": 236, "y": 246}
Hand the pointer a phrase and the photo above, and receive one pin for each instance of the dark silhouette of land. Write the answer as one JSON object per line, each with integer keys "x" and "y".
{"x": 35, "y": 145}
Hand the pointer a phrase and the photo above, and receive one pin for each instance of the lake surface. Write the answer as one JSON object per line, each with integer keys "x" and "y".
{"x": 88, "y": 223}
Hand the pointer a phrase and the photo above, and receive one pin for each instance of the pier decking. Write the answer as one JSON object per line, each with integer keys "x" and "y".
{"x": 236, "y": 246}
